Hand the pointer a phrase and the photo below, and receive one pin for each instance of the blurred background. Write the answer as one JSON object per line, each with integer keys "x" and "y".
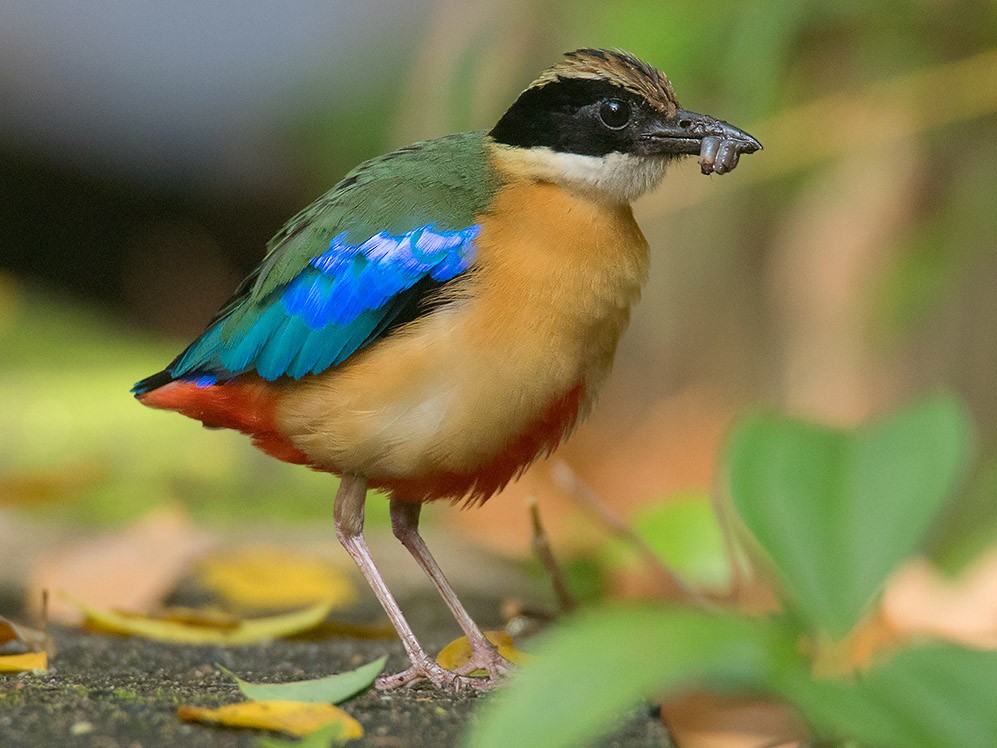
{"x": 148, "y": 151}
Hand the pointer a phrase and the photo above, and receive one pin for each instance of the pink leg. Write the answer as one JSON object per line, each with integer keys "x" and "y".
{"x": 405, "y": 524}
{"x": 349, "y": 517}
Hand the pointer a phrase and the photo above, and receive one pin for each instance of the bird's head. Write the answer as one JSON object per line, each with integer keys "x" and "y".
{"x": 607, "y": 124}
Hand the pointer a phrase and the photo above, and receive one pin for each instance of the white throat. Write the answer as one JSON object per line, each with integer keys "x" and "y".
{"x": 617, "y": 177}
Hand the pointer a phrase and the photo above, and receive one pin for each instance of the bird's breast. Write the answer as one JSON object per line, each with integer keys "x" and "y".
{"x": 501, "y": 372}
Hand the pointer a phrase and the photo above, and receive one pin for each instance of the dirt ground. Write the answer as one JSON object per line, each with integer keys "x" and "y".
{"x": 110, "y": 692}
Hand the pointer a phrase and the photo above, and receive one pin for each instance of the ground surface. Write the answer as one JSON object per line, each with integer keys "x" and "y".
{"x": 109, "y": 692}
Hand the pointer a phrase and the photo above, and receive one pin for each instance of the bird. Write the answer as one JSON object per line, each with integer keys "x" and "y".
{"x": 446, "y": 314}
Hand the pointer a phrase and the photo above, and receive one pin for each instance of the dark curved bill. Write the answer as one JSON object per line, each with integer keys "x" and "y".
{"x": 718, "y": 143}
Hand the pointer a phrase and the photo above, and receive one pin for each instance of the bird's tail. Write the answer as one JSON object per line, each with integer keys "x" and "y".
{"x": 246, "y": 404}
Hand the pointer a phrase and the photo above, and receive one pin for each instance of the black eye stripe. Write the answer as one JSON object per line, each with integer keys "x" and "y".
{"x": 565, "y": 116}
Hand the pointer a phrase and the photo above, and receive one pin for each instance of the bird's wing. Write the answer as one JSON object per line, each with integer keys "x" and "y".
{"x": 363, "y": 259}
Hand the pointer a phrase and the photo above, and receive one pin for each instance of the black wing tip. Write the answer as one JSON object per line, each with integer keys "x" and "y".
{"x": 151, "y": 383}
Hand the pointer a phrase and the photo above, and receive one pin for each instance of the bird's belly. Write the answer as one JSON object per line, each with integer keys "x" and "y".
{"x": 429, "y": 405}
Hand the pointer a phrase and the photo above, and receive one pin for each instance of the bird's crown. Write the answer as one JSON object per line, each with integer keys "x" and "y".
{"x": 618, "y": 68}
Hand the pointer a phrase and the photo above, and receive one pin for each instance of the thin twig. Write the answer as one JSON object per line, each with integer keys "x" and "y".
{"x": 586, "y": 497}
{"x": 725, "y": 517}
{"x": 541, "y": 546}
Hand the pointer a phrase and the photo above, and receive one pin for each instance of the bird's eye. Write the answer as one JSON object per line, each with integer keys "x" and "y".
{"x": 615, "y": 114}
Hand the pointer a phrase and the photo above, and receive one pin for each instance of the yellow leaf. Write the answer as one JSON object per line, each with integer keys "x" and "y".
{"x": 263, "y": 577}
{"x": 458, "y": 652}
{"x": 212, "y": 618}
{"x": 198, "y": 618}
{"x": 23, "y": 662}
{"x": 244, "y": 632}
{"x": 291, "y": 717}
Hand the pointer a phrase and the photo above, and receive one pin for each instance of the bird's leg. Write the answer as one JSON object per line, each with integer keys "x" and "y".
{"x": 405, "y": 525}
{"x": 349, "y": 518}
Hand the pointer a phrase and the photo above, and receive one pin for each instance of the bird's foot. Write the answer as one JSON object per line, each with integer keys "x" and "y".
{"x": 495, "y": 666}
{"x": 439, "y": 676}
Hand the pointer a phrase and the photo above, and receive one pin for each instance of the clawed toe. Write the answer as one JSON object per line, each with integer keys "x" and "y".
{"x": 449, "y": 680}
{"x": 496, "y": 667}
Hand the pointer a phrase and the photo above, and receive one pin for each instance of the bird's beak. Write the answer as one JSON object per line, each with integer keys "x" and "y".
{"x": 718, "y": 143}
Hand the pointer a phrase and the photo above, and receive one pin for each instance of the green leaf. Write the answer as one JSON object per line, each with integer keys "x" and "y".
{"x": 591, "y": 668}
{"x": 835, "y": 510}
{"x": 971, "y": 527}
{"x": 324, "y": 737}
{"x": 686, "y": 536}
{"x": 931, "y": 697}
{"x": 332, "y": 689}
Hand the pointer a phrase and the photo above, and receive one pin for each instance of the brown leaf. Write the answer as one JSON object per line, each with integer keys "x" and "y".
{"x": 10, "y": 641}
{"x": 16, "y": 639}
{"x": 921, "y": 601}
{"x": 330, "y": 629}
{"x": 705, "y": 720}
{"x": 130, "y": 569}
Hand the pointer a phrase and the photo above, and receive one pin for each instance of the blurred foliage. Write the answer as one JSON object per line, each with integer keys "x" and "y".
{"x": 330, "y": 142}
{"x": 76, "y": 447}
{"x": 585, "y": 578}
{"x": 685, "y": 535}
{"x": 834, "y": 513}
{"x": 970, "y": 526}
{"x": 950, "y": 243}
{"x": 837, "y": 511}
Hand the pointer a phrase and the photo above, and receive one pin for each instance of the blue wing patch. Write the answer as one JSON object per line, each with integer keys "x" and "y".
{"x": 344, "y": 299}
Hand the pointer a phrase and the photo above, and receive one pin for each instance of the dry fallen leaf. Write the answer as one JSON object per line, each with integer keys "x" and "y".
{"x": 266, "y": 578}
{"x": 205, "y": 631}
{"x": 21, "y": 663}
{"x": 132, "y": 569}
{"x": 706, "y": 720}
{"x": 23, "y": 648}
{"x": 291, "y": 717}
{"x": 211, "y": 618}
{"x": 922, "y": 601}
{"x": 330, "y": 629}
{"x": 10, "y": 640}
{"x": 458, "y": 652}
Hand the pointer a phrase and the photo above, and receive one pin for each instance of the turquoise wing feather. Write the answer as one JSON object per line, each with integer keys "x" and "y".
{"x": 360, "y": 261}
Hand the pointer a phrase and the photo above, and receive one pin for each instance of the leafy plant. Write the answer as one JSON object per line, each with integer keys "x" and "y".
{"x": 684, "y": 534}
{"x": 831, "y": 513}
